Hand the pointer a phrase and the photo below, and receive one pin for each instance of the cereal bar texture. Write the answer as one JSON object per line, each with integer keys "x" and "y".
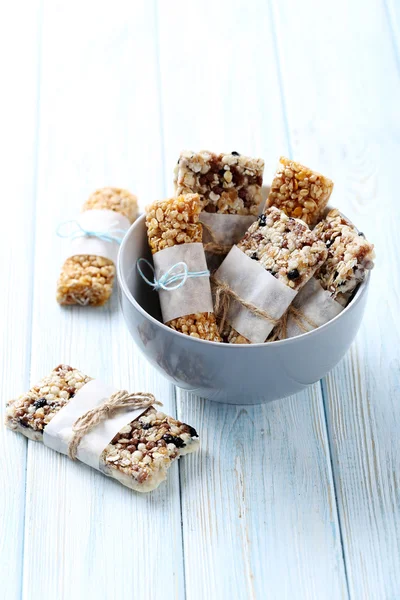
{"x": 350, "y": 255}
{"x": 176, "y": 221}
{"x": 286, "y": 248}
{"x": 138, "y": 456}
{"x": 300, "y": 192}
{"x": 86, "y": 279}
{"x": 227, "y": 183}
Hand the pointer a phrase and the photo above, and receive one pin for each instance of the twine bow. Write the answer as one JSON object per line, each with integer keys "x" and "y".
{"x": 118, "y": 400}
{"x": 223, "y": 296}
{"x": 113, "y": 234}
{"x": 170, "y": 280}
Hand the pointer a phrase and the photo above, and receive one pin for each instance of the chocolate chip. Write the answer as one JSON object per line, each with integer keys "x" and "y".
{"x": 40, "y": 403}
{"x": 293, "y": 274}
{"x": 262, "y": 220}
{"x": 254, "y": 256}
{"x": 235, "y": 153}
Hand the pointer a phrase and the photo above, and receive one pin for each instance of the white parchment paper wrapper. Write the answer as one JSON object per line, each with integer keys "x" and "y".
{"x": 253, "y": 284}
{"x": 195, "y": 295}
{"x": 98, "y": 220}
{"x": 58, "y": 433}
{"x": 315, "y": 304}
{"x": 227, "y": 229}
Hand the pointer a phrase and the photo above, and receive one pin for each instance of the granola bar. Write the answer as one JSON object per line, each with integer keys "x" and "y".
{"x": 169, "y": 223}
{"x": 227, "y": 183}
{"x": 286, "y": 248}
{"x": 299, "y": 191}
{"x": 350, "y": 255}
{"x": 138, "y": 456}
{"x": 87, "y": 279}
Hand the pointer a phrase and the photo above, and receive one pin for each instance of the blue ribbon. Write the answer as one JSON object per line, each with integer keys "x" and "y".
{"x": 170, "y": 280}
{"x": 79, "y": 231}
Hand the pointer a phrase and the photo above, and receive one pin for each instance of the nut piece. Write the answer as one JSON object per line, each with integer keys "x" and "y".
{"x": 227, "y": 183}
{"x": 349, "y": 256}
{"x": 300, "y": 192}
{"x": 172, "y": 222}
{"x": 88, "y": 280}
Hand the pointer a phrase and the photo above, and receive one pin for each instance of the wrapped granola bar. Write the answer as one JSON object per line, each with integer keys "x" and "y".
{"x": 350, "y": 255}
{"x": 87, "y": 275}
{"x": 263, "y": 274}
{"x": 136, "y": 444}
{"x": 300, "y": 192}
{"x": 230, "y": 186}
{"x": 174, "y": 234}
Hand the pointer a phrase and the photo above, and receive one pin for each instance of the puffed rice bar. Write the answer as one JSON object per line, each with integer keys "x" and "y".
{"x": 300, "y": 192}
{"x": 176, "y": 221}
{"x": 227, "y": 183}
{"x": 350, "y": 255}
{"x": 138, "y": 456}
{"x": 286, "y": 248}
{"x": 87, "y": 279}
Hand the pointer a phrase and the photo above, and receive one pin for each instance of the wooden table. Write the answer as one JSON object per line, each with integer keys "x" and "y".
{"x": 296, "y": 499}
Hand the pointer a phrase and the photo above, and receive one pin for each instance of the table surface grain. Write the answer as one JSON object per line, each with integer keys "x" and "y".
{"x": 296, "y": 499}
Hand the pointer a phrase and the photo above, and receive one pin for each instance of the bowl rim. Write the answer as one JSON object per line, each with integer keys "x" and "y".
{"x": 362, "y": 289}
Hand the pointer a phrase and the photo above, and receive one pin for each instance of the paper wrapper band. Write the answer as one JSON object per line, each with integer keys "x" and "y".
{"x": 97, "y": 220}
{"x": 253, "y": 299}
{"x": 312, "y": 307}
{"x": 221, "y": 232}
{"x": 86, "y": 425}
{"x": 195, "y": 295}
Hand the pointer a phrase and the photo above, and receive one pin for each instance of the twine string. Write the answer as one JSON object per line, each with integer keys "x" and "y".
{"x": 73, "y": 229}
{"x": 121, "y": 399}
{"x": 174, "y": 278}
{"x": 299, "y": 318}
{"x": 223, "y": 296}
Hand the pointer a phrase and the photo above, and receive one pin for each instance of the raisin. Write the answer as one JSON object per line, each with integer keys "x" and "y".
{"x": 40, "y": 403}
{"x": 336, "y": 274}
{"x": 262, "y": 220}
{"x": 217, "y": 190}
{"x": 170, "y": 439}
{"x": 71, "y": 391}
{"x": 235, "y": 153}
{"x": 254, "y": 256}
{"x": 243, "y": 193}
{"x": 221, "y": 172}
{"x": 329, "y": 243}
{"x": 192, "y": 431}
{"x": 293, "y": 274}
{"x": 360, "y": 233}
{"x": 145, "y": 426}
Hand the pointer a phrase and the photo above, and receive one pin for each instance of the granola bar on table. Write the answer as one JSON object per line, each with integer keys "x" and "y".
{"x": 227, "y": 183}
{"x": 350, "y": 255}
{"x": 87, "y": 279}
{"x": 286, "y": 248}
{"x": 300, "y": 192}
{"x": 170, "y": 223}
{"x": 139, "y": 456}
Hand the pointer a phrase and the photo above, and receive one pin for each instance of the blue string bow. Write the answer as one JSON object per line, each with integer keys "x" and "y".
{"x": 169, "y": 278}
{"x": 111, "y": 235}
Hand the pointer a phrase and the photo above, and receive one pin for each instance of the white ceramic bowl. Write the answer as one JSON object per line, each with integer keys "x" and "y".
{"x": 237, "y": 374}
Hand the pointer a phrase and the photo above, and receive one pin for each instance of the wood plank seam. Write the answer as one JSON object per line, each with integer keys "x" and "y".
{"x": 395, "y": 41}
{"x": 322, "y": 383}
{"x": 32, "y": 270}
